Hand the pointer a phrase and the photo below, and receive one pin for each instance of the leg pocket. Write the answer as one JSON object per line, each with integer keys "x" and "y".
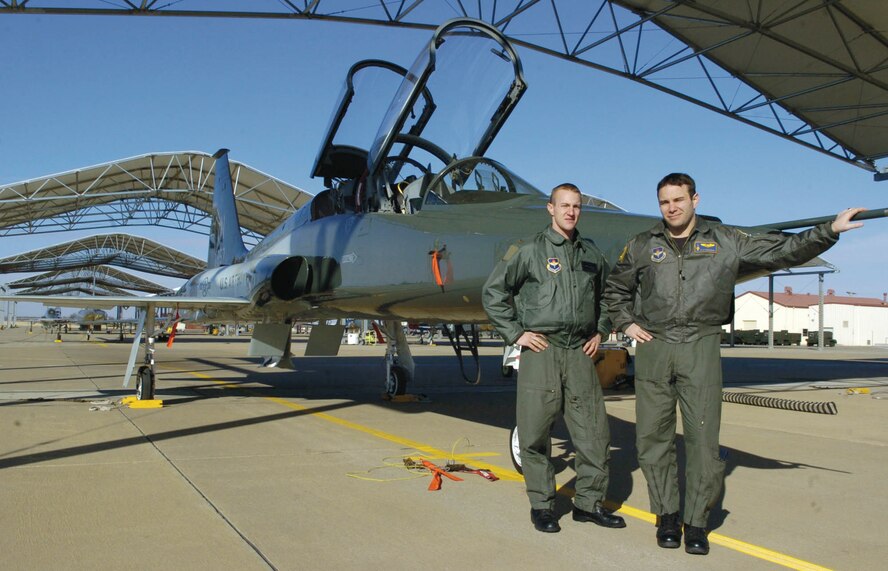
{"x": 652, "y": 361}
{"x": 537, "y": 409}
{"x": 584, "y": 409}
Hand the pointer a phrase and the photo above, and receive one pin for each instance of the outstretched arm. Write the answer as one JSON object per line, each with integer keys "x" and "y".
{"x": 843, "y": 223}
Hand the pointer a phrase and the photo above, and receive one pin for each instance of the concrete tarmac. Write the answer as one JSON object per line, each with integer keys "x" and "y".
{"x": 249, "y": 468}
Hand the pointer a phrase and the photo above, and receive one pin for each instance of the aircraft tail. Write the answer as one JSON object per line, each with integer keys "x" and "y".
{"x": 226, "y": 243}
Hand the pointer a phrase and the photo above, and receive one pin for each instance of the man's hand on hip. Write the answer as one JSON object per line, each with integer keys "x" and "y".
{"x": 536, "y": 342}
{"x": 591, "y": 346}
{"x": 634, "y": 331}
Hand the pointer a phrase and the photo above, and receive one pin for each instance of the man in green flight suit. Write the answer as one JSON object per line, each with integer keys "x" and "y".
{"x": 671, "y": 291}
{"x": 545, "y": 295}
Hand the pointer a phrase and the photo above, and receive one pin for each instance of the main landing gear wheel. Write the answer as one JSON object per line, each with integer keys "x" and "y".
{"x": 144, "y": 383}
{"x": 515, "y": 449}
{"x": 396, "y": 384}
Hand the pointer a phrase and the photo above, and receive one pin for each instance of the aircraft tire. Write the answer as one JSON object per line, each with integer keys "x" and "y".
{"x": 144, "y": 383}
{"x": 515, "y": 449}
{"x": 396, "y": 384}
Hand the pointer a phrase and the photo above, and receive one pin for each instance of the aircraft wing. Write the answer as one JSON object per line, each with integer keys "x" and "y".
{"x": 105, "y": 321}
{"x": 109, "y": 301}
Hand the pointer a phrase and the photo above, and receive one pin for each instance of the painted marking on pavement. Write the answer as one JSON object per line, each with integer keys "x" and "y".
{"x": 511, "y": 475}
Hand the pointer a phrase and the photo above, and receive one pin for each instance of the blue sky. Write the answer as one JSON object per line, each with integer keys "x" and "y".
{"x": 86, "y": 90}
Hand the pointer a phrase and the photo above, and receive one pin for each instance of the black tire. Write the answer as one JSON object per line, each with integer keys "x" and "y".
{"x": 144, "y": 383}
{"x": 396, "y": 384}
{"x": 515, "y": 450}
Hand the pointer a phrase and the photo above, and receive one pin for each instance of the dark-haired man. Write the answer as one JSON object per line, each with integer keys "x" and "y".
{"x": 545, "y": 295}
{"x": 671, "y": 291}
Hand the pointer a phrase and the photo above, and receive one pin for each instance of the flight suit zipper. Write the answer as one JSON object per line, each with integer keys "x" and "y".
{"x": 572, "y": 251}
{"x": 680, "y": 289}
{"x": 571, "y": 248}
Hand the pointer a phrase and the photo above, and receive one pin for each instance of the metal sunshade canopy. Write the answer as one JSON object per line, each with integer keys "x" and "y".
{"x": 811, "y": 71}
{"x": 173, "y": 190}
{"x": 103, "y": 276}
{"x": 826, "y": 63}
{"x": 122, "y": 250}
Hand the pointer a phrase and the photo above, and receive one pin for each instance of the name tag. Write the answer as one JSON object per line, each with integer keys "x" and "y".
{"x": 705, "y": 248}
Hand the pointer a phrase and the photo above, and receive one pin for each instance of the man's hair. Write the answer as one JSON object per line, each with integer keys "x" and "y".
{"x": 678, "y": 179}
{"x": 563, "y": 186}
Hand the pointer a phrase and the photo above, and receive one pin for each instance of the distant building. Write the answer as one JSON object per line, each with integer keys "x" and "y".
{"x": 852, "y": 320}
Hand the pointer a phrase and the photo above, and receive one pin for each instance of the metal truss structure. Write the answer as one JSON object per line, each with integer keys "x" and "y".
{"x": 173, "y": 190}
{"x": 122, "y": 250}
{"x": 811, "y": 71}
{"x": 78, "y": 290}
{"x": 90, "y": 278}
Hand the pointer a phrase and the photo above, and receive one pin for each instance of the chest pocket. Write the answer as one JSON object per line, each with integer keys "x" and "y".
{"x": 539, "y": 296}
{"x": 658, "y": 278}
{"x": 719, "y": 270}
{"x": 586, "y": 277}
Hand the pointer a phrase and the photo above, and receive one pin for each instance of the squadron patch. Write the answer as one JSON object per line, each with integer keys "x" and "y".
{"x": 658, "y": 254}
{"x": 623, "y": 253}
{"x": 705, "y": 248}
{"x": 553, "y": 265}
{"x": 513, "y": 249}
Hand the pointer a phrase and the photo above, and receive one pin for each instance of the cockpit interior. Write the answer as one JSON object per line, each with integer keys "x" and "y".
{"x": 428, "y": 147}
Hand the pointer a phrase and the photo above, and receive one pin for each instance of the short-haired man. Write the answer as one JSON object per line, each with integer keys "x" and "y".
{"x": 545, "y": 295}
{"x": 671, "y": 291}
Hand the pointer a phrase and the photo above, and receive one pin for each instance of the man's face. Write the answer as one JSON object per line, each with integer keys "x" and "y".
{"x": 677, "y": 207}
{"x": 565, "y": 211}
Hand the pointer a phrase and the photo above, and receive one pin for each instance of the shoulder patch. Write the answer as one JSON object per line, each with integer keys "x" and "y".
{"x": 513, "y": 249}
{"x": 623, "y": 253}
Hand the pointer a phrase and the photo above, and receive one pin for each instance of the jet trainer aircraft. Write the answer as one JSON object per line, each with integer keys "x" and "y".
{"x": 410, "y": 224}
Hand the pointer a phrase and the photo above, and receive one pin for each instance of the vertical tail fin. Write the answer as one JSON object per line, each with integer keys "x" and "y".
{"x": 226, "y": 243}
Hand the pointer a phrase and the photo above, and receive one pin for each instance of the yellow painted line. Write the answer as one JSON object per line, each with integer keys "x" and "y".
{"x": 764, "y": 553}
{"x": 858, "y": 391}
{"x": 511, "y": 475}
{"x": 429, "y": 451}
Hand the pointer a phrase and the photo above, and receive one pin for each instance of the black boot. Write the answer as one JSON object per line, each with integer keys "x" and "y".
{"x": 695, "y": 540}
{"x": 599, "y": 516}
{"x": 669, "y": 531}
{"x": 545, "y": 521}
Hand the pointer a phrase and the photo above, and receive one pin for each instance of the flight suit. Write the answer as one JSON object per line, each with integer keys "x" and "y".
{"x": 683, "y": 296}
{"x": 554, "y": 286}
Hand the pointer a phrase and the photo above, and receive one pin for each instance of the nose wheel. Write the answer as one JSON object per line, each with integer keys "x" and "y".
{"x": 145, "y": 383}
{"x": 145, "y": 376}
{"x": 396, "y": 383}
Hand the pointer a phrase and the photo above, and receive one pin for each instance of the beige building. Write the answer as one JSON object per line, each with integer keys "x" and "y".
{"x": 852, "y": 320}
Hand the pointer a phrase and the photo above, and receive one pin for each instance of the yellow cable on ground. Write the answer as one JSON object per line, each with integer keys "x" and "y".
{"x": 418, "y": 471}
